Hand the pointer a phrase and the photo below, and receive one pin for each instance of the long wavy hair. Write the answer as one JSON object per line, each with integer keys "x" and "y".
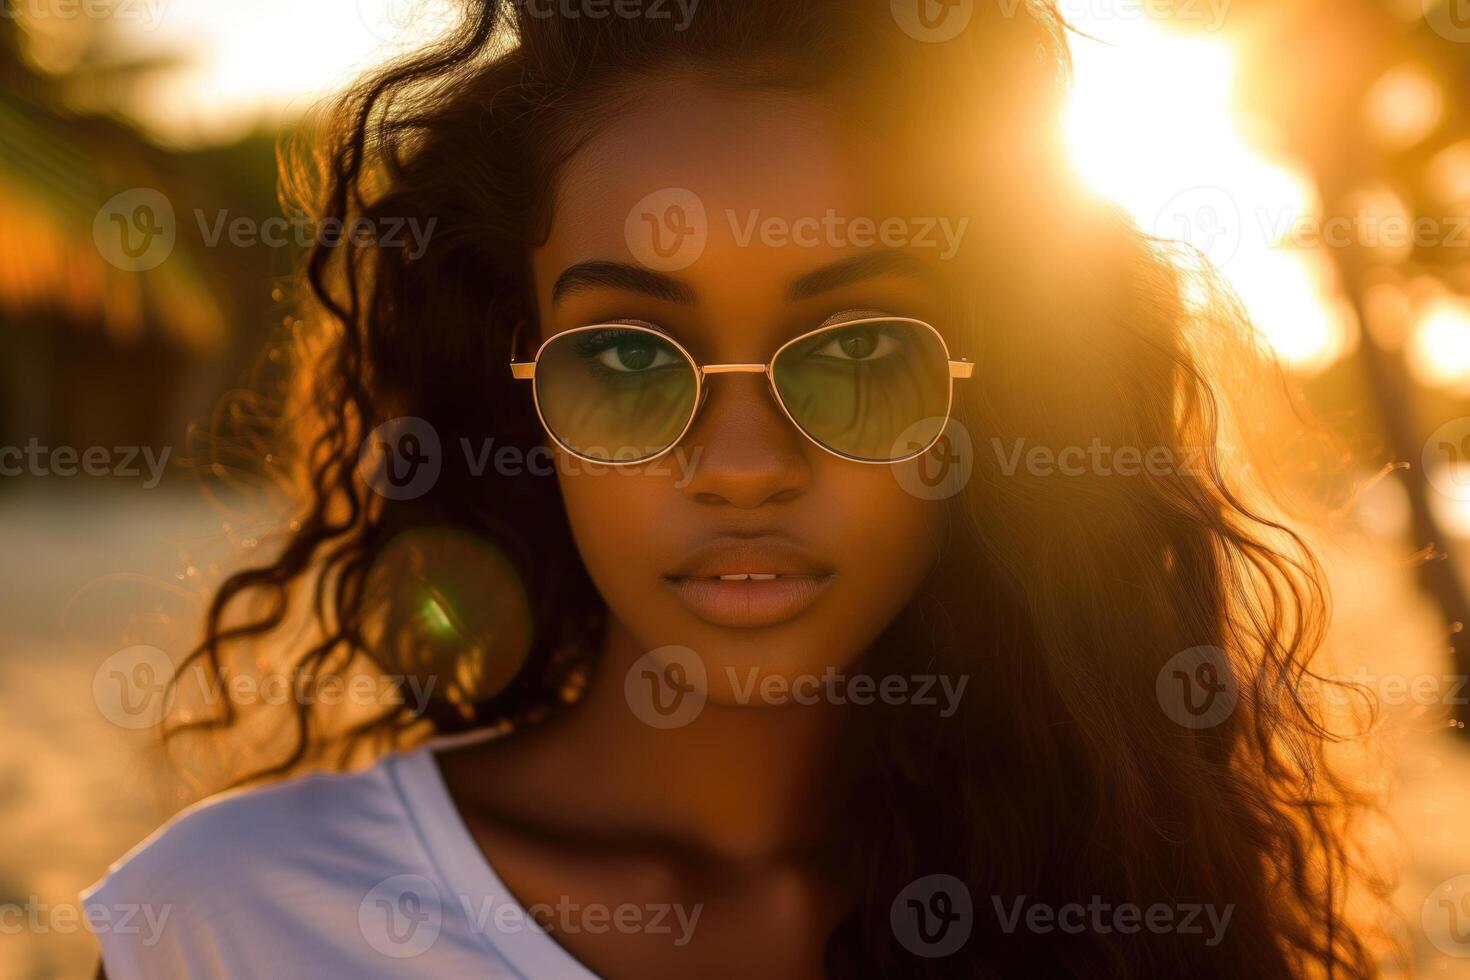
{"x": 1061, "y": 597}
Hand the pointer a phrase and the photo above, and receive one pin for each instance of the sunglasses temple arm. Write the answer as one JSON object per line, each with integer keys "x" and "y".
{"x": 961, "y": 369}
{"x": 523, "y": 370}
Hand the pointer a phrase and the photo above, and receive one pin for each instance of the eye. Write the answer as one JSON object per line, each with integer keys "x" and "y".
{"x": 625, "y": 351}
{"x": 635, "y": 354}
{"x": 859, "y": 344}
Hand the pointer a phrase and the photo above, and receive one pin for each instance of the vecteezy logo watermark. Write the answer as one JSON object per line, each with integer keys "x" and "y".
{"x": 1445, "y": 916}
{"x": 35, "y": 459}
{"x": 667, "y": 687}
{"x": 147, "y": 13}
{"x": 388, "y": 20}
{"x": 135, "y": 230}
{"x": 941, "y": 472}
{"x": 621, "y": 9}
{"x": 34, "y": 916}
{"x": 401, "y": 459}
{"x": 1450, "y": 19}
{"x": 1210, "y": 14}
{"x": 1205, "y": 217}
{"x": 129, "y": 686}
{"x": 932, "y": 916}
{"x": 937, "y": 21}
{"x": 132, "y": 688}
{"x": 1105, "y": 918}
{"x": 932, "y": 21}
{"x": 667, "y": 230}
{"x": 1447, "y": 458}
{"x": 405, "y": 23}
{"x": 1197, "y": 688}
{"x": 401, "y": 916}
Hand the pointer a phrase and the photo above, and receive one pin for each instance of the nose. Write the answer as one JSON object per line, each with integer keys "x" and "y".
{"x": 748, "y": 453}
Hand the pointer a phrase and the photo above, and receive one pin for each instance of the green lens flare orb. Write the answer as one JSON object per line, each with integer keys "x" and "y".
{"x": 448, "y": 609}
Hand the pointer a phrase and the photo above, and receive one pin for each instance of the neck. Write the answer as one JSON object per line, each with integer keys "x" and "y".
{"x": 737, "y": 782}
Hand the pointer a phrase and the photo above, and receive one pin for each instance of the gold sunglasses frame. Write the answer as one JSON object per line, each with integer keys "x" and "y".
{"x": 526, "y": 371}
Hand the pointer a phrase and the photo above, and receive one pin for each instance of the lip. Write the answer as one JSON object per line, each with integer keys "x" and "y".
{"x": 799, "y": 581}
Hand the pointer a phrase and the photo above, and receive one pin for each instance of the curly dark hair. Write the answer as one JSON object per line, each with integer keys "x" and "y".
{"x": 1062, "y": 598}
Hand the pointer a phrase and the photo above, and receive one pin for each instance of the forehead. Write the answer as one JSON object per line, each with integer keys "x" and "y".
{"x": 735, "y": 165}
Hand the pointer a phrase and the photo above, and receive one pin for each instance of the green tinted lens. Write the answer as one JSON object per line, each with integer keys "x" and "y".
{"x": 875, "y": 391}
{"x": 615, "y": 393}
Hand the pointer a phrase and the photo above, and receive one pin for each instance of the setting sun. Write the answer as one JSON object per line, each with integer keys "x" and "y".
{"x": 1152, "y": 125}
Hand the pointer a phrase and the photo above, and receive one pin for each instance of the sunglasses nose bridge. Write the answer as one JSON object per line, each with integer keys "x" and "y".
{"x": 714, "y": 369}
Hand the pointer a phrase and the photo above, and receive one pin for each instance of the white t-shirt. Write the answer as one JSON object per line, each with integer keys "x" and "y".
{"x": 356, "y": 875}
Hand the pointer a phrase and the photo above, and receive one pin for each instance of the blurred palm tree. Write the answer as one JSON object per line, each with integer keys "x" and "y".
{"x": 1319, "y": 72}
{"x": 93, "y": 350}
{"x": 56, "y": 170}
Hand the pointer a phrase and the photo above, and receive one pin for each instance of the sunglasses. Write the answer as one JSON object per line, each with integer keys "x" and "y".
{"x": 874, "y": 390}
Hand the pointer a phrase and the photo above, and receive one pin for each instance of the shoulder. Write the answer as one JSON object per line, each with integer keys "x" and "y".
{"x": 250, "y": 867}
{"x": 255, "y": 829}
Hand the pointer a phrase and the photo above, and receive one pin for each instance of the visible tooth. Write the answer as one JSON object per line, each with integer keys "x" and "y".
{"x": 733, "y": 578}
{"x": 762, "y": 578}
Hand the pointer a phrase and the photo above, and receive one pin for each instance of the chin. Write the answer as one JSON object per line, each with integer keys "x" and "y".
{"x": 766, "y": 669}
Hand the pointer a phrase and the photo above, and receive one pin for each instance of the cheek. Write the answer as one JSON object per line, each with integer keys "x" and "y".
{"x": 888, "y": 540}
{"x": 614, "y": 515}
{"x": 603, "y": 517}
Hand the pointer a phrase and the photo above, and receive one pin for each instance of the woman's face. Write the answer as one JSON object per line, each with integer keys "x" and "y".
{"x": 744, "y": 492}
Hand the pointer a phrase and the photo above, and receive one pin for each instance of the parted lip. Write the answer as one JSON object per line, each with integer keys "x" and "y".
{"x": 763, "y": 555}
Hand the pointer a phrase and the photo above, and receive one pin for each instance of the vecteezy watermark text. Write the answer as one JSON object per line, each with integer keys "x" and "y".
{"x": 402, "y": 916}
{"x": 34, "y": 459}
{"x": 509, "y": 460}
{"x": 121, "y": 918}
{"x": 938, "y": 21}
{"x": 1102, "y": 917}
{"x": 299, "y": 229}
{"x": 669, "y": 687}
{"x": 568, "y": 917}
{"x": 621, "y": 9}
{"x": 839, "y": 231}
{"x": 404, "y": 458}
{"x": 830, "y": 687}
{"x": 132, "y": 689}
{"x": 149, "y": 13}
{"x": 1099, "y": 459}
{"x": 136, "y": 230}
{"x": 668, "y": 229}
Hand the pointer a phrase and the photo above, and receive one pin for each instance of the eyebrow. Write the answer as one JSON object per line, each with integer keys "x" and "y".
{"x": 603, "y": 273}
{"x": 847, "y": 271}
{"x": 619, "y": 275}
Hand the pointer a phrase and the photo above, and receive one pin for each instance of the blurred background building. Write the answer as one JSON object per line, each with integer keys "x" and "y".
{"x": 1316, "y": 151}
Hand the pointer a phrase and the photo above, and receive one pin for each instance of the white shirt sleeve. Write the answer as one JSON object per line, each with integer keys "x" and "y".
{"x": 323, "y": 876}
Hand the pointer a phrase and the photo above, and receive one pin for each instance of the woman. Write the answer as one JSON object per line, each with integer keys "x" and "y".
{"x": 795, "y": 473}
